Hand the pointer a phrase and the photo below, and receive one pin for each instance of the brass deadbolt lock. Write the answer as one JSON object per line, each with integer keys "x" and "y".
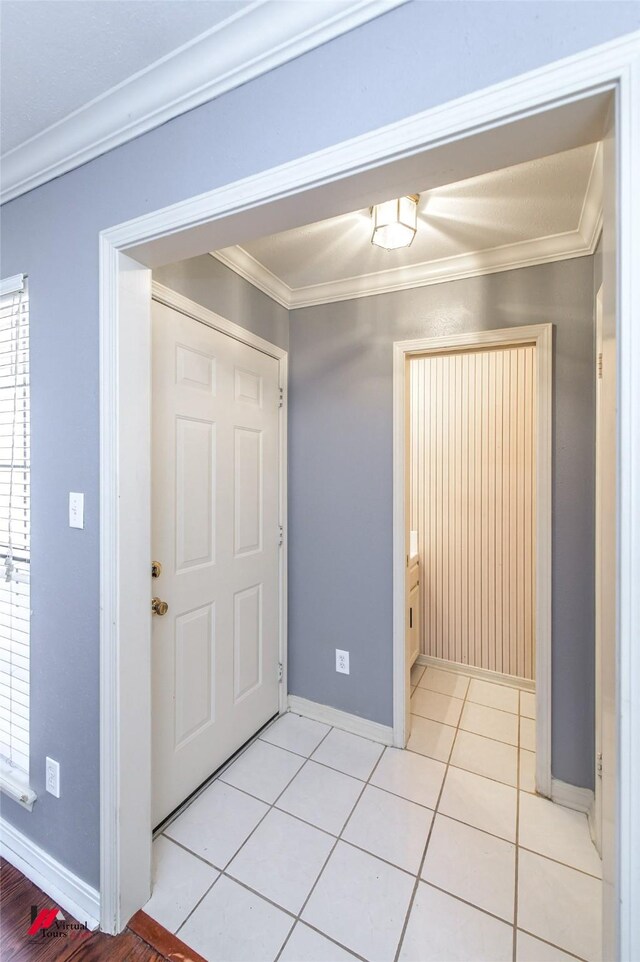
{"x": 159, "y": 607}
{"x": 156, "y": 569}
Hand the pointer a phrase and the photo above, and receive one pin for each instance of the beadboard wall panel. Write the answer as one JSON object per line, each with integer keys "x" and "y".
{"x": 473, "y": 505}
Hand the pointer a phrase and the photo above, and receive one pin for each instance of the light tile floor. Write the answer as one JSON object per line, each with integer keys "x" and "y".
{"x": 320, "y": 846}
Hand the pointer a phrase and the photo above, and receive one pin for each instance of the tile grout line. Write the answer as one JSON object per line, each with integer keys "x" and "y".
{"x": 260, "y": 895}
{"x": 212, "y": 782}
{"x": 481, "y": 774}
{"x": 516, "y": 843}
{"x": 517, "y": 848}
{"x": 224, "y": 873}
{"x": 470, "y": 701}
{"x": 459, "y": 821}
{"x": 427, "y": 808}
{"x": 472, "y": 905}
{"x": 270, "y": 807}
{"x": 173, "y": 817}
{"x": 332, "y": 850}
{"x": 387, "y": 791}
{"x": 190, "y": 851}
{"x": 553, "y": 945}
{"x": 403, "y": 798}
{"x": 431, "y": 828}
{"x": 489, "y": 738}
{"x": 296, "y": 917}
{"x": 324, "y": 831}
{"x": 329, "y": 938}
{"x": 557, "y": 861}
{"x": 306, "y": 758}
{"x": 340, "y": 837}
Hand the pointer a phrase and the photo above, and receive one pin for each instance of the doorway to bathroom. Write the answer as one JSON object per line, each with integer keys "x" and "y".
{"x": 478, "y": 478}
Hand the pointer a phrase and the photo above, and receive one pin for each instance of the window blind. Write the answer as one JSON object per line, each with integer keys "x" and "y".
{"x": 15, "y": 544}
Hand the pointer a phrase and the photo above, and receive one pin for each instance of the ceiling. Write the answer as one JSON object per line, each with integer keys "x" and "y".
{"x": 97, "y": 45}
{"x": 80, "y": 77}
{"x": 543, "y": 210}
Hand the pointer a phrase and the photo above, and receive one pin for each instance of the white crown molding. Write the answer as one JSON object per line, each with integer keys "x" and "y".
{"x": 590, "y": 225}
{"x": 253, "y": 41}
{"x": 529, "y": 253}
{"x": 66, "y": 889}
{"x": 244, "y": 264}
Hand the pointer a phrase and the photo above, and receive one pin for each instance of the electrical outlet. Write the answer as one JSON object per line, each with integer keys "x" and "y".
{"x": 342, "y": 661}
{"x": 53, "y": 777}
{"x": 76, "y": 509}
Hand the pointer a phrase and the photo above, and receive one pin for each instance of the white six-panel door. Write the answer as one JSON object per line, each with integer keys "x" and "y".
{"x": 215, "y": 532}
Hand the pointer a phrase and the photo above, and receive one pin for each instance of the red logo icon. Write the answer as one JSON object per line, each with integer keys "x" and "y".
{"x": 44, "y": 919}
{"x": 52, "y": 924}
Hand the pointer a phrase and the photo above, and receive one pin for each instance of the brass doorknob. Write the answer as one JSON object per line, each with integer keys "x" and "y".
{"x": 159, "y": 607}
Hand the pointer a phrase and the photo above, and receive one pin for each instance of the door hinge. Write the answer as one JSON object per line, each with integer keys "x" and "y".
{"x": 600, "y": 365}
{"x": 599, "y": 764}
{"x": 281, "y": 534}
{"x": 280, "y": 670}
{"x": 281, "y": 401}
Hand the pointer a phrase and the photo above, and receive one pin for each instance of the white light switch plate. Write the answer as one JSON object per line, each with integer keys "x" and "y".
{"x": 76, "y": 509}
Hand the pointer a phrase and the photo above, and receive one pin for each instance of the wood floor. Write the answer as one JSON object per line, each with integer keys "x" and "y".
{"x": 143, "y": 940}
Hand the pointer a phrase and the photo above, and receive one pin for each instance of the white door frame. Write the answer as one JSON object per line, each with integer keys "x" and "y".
{"x": 542, "y": 336}
{"x": 596, "y": 814}
{"x": 264, "y": 203}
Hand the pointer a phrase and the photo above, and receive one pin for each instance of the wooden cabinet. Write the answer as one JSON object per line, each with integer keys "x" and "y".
{"x": 413, "y": 610}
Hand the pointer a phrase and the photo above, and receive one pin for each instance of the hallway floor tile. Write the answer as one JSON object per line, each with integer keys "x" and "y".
{"x": 316, "y": 845}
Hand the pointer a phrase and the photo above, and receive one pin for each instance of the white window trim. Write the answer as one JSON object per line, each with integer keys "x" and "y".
{"x": 15, "y": 784}
{"x": 12, "y": 285}
{"x": 13, "y": 781}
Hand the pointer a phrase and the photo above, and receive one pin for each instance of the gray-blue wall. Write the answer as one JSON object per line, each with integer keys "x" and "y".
{"x": 209, "y": 282}
{"x": 340, "y": 485}
{"x": 417, "y": 56}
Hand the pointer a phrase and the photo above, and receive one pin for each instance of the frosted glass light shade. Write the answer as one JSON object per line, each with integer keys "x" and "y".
{"x": 395, "y": 222}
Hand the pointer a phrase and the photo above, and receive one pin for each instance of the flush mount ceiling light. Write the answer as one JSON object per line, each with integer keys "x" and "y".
{"x": 395, "y": 222}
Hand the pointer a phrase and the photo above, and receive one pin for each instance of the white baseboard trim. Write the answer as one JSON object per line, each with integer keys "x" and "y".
{"x": 66, "y": 889}
{"x": 341, "y": 719}
{"x": 484, "y": 673}
{"x": 591, "y": 816}
{"x": 579, "y": 799}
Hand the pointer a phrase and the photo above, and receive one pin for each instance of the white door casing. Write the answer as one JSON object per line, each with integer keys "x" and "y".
{"x": 215, "y": 532}
{"x": 539, "y": 335}
{"x": 613, "y": 677}
{"x": 600, "y": 474}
